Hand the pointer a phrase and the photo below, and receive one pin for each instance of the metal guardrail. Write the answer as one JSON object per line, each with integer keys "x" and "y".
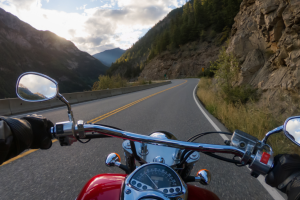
{"x": 15, "y": 105}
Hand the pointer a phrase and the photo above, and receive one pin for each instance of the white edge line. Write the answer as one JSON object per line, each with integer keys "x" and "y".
{"x": 272, "y": 191}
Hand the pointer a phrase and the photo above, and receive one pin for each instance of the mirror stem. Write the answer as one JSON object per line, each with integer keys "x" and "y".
{"x": 275, "y": 130}
{"x": 70, "y": 112}
{"x": 63, "y": 99}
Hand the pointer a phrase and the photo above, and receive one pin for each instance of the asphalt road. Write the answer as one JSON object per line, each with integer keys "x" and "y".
{"x": 61, "y": 172}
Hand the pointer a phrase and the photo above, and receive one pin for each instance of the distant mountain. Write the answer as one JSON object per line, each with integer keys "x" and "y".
{"x": 27, "y": 94}
{"x": 109, "y": 56}
{"x": 23, "y": 48}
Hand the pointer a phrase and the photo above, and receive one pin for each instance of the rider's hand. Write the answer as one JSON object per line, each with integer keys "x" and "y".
{"x": 40, "y": 126}
{"x": 283, "y": 175}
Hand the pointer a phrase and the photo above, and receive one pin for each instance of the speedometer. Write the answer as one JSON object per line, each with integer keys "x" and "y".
{"x": 158, "y": 177}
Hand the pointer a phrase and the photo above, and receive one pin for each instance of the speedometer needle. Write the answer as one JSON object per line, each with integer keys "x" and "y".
{"x": 152, "y": 181}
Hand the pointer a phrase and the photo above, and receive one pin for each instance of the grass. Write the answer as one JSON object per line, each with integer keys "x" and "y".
{"x": 248, "y": 117}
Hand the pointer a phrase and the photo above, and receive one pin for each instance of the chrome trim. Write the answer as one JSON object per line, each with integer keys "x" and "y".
{"x": 159, "y": 159}
{"x": 137, "y": 194}
{"x": 39, "y": 74}
{"x": 201, "y": 147}
{"x": 112, "y": 160}
{"x": 260, "y": 168}
{"x": 80, "y": 124}
{"x": 203, "y": 177}
{"x": 177, "y": 154}
{"x": 285, "y": 132}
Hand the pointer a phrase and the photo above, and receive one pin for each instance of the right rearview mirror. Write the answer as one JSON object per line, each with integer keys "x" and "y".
{"x": 34, "y": 87}
{"x": 292, "y": 129}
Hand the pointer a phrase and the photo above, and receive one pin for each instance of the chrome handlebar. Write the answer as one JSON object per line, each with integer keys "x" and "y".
{"x": 63, "y": 131}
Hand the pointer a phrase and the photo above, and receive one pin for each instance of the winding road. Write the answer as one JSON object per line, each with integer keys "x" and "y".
{"x": 61, "y": 172}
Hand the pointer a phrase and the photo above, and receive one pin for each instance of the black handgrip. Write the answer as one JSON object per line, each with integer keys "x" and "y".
{"x": 96, "y": 136}
{"x": 189, "y": 179}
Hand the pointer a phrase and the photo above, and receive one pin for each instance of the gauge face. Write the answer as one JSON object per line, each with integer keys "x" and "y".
{"x": 158, "y": 177}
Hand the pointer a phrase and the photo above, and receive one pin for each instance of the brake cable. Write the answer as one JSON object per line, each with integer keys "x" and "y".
{"x": 186, "y": 153}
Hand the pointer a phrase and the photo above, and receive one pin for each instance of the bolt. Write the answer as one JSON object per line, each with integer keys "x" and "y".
{"x": 128, "y": 191}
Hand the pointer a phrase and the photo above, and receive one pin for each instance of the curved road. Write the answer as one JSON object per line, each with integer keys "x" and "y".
{"x": 61, "y": 172}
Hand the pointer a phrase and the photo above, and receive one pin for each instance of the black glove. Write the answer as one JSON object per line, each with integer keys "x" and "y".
{"x": 15, "y": 136}
{"x": 286, "y": 175}
{"x": 40, "y": 126}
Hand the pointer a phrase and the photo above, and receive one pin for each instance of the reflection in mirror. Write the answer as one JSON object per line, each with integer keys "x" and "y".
{"x": 292, "y": 129}
{"x": 34, "y": 87}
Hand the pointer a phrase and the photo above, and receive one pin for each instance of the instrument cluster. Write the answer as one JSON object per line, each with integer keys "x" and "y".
{"x": 154, "y": 178}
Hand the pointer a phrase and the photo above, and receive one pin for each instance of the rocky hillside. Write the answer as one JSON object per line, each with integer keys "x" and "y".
{"x": 187, "y": 61}
{"x": 23, "y": 48}
{"x": 266, "y": 39}
{"x": 109, "y": 56}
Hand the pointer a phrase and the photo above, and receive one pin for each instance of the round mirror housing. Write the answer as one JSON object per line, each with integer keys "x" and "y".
{"x": 292, "y": 129}
{"x": 34, "y": 87}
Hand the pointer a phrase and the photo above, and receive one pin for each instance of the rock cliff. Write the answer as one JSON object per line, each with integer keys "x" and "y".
{"x": 266, "y": 39}
{"x": 188, "y": 61}
{"x": 23, "y": 48}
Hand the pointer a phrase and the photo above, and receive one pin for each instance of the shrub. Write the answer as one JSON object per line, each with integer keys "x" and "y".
{"x": 226, "y": 75}
{"x": 208, "y": 72}
{"x": 202, "y": 35}
{"x": 224, "y": 35}
{"x": 109, "y": 82}
{"x": 212, "y": 34}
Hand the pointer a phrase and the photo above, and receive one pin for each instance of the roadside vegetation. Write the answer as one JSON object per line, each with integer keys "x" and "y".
{"x": 112, "y": 82}
{"x": 236, "y": 106}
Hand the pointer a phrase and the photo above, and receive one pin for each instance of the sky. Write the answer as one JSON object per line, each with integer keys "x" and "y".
{"x": 93, "y": 25}
{"x": 39, "y": 84}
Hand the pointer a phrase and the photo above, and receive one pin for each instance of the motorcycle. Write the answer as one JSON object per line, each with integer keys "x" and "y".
{"x": 157, "y": 166}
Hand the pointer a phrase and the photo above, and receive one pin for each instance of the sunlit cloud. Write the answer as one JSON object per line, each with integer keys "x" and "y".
{"x": 94, "y": 25}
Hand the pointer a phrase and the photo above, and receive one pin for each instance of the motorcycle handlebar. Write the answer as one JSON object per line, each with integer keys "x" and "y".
{"x": 65, "y": 129}
{"x": 256, "y": 161}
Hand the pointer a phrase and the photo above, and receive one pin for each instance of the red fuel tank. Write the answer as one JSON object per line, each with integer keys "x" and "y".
{"x": 108, "y": 186}
{"x": 103, "y": 186}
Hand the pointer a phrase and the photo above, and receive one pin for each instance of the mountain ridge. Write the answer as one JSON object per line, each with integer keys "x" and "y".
{"x": 24, "y": 48}
{"x": 109, "y": 56}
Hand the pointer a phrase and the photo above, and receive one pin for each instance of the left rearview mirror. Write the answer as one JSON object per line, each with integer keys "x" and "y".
{"x": 292, "y": 129}
{"x": 34, "y": 87}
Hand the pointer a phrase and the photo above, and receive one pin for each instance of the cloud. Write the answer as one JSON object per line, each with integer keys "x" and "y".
{"x": 24, "y": 4}
{"x": 113, "y": 23}
{"x": 81, "y": 7}
{"x": 72, "y": 32}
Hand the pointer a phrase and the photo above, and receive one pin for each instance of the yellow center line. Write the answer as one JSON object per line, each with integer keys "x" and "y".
{"x": 22, "y": 155}
{"x": 97, "y": 119}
